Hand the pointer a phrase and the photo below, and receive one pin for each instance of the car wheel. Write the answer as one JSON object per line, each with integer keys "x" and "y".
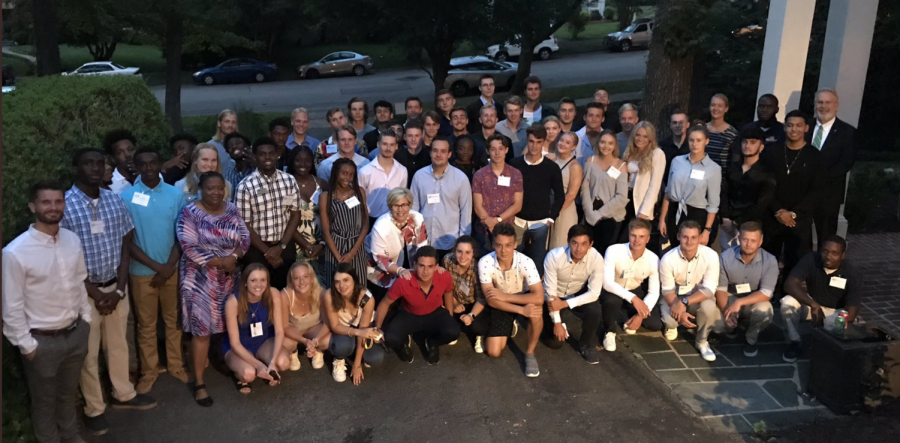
{"x": 625, "y": 46}
{"x": 359, "y": 70}
{"x": 544, "y": 53}
{"x": 208, "y": 79}
{"x": 501, "y": 56}
{"x": 459, "y": 88}
{"x": 259, "y": 77}
{"x": 312, "y": 73}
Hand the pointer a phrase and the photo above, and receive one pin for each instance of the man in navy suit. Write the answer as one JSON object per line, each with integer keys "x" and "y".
{"x": 834, "y": 139}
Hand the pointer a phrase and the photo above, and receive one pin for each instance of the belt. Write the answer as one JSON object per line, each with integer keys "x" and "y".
{"x": 106, "y": 283}
{"x": 57, "y": 332}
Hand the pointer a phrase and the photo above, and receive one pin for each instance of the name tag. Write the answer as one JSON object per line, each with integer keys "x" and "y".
{"x": 352, "y": 202}
{"x": 97, "y": 227}
{"x": 464, "y": 287}
{"x": 683, "y": 290}
{"x": 288, "y": 201}
{"x": 838, "y": 282}
{"x": 331, "y": 149}
{"x": 627, "y": 273}
{"x": 697, "y": 174}
{"x": 140, "y": 199}
{"x": 434, "y": 198}
{"x": 503, "y": 181}
{"x": 256, "y": 329}
{"x": 613, "y": 173}
{"x": 743, "y": 288}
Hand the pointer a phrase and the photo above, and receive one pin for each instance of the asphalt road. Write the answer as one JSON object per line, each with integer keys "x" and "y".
{"x": 395, "y": 85}
{"x": 467, "y": 397}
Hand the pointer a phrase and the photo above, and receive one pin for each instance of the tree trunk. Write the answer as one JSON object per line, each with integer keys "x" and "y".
{"x": 625, "y": 11}
{"x": 173, "y": 42}
{"x": 46, "y": 37}
{"x": 440, "y": 54}
{"x": 102, "y": 51}
{"x": 526, "y": 56}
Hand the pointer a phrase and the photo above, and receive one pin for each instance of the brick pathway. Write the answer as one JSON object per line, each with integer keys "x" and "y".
{"x": 878, "y": 256}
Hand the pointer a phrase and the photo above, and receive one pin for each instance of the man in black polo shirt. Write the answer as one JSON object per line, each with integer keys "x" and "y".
{"x": 676, "y": 144}
{"x": 542, "y": 199}
{"x": 415, "y": 155}
{"x": 767, "y": 121}
{"x": 831, "y": 283}
{"x": 748, "y": 187}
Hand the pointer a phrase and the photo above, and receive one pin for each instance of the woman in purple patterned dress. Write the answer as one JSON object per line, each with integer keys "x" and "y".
{"x": 213, "y": 237}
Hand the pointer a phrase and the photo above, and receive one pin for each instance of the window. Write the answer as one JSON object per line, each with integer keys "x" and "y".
{"x": 641, "y": 28}
{"x": 103, "y": 68}
{"x": 347, "y": 55}
{"x": 230, "y": 63}
{"x": 331, "y": 57}
{"x": 117, "y": 66}
{"x": 86, "y": 69}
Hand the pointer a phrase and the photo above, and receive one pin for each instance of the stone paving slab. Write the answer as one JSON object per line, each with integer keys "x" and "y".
{"x": 707, "y": 399}
{"x": 876, "y": 255}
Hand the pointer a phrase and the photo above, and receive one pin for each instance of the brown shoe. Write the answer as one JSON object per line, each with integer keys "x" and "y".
{"x": 180, "y": 374}
{"x": 145, "y": 384}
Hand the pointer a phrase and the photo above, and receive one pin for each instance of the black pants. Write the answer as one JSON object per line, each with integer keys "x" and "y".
{"x": 614, "y": 306}
{"x": 377, "y": 291}
{"x": 629, "y": 216}
{"x": 438, "y": 327}
{"x": 591, "y": 316}
{"x": 606, "y": 233}
{"x": 696, "y": 214}
{"x": 826, "y": 219}
{"x": 440, "y": 255}
{"x": 372, "y": 222}
{"x": 277, "y": 276}
{"x": 794, "y": 242}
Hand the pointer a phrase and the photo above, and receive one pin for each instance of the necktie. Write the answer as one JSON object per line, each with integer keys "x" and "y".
{"x": 817, "y": 140}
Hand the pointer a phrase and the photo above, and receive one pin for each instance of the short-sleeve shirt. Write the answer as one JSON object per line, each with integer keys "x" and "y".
{"x": 266, "y": 203}
{"x": 824, "y": 288}
{"x": 516, "y": 280}
{"x": 497, "y": 198}
{"x": 414, "y": 299}
{"x": 761, "y": 274}
{"x": 154, "y": 212}
{"x": 103, "y": 244}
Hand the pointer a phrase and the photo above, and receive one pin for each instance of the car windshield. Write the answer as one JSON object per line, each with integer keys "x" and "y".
{"x": 504, "y": 64}
{"x": 631, "y": 27}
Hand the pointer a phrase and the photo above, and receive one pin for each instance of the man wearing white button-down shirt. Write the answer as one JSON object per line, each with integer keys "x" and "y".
{"x": 573, "y": 279}
{"x": 689, "y": 276}
{"x": 631, "y": 273}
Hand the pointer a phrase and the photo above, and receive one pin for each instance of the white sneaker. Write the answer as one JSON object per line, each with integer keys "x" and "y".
{"x": 515, "y": 329}
{"x": 706, "y": 352}
{"x": 453, "y": 342}
{"x": 671, "y": 334}
{"x": 478, "y": 348}
{"x": 340, "y": 371}
{"x": 295, "y": 361}
{"x": 609, "y": 342}
{"x": 318, "y": 361}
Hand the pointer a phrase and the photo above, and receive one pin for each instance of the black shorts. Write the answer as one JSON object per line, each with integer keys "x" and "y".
{"x": 500, "y": 323}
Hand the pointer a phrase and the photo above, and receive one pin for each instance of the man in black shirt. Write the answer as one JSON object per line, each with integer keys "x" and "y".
{"x": 611, "y": 118}
{"x": 568, "y": 115}
{"x": 487, "y": 118}
{"x": 676, "y": 144}
{"x": 748, "y": 187}
{"x": 766, "y": 120}
{"x": 542, "y": 198}
{"x": 384, "y": 116}
{"x": 176, "y": 168}
{"x": 415, "y": 155}
{"x": 797, "y": 167}
{"x": 821, "y": 284}
{"x": 487, "y": 87}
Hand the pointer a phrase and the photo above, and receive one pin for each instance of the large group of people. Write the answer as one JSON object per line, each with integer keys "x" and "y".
{"x": 477, "y": 219}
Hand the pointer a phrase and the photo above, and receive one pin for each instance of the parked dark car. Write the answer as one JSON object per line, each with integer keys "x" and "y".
{"x": 237, "y": 70}
{"x": 9, "y": 77}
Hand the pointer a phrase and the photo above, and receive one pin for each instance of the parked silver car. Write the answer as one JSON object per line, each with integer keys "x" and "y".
{"x": 638, "y": 33}
{"x": 103, "y": 68}
{"x": 337, "y": 63}
{"x": 465, "y": 73}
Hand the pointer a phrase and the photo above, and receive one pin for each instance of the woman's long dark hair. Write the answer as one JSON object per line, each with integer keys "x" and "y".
{"x": 337, "y": 300}
{"x": 354, "y": 185}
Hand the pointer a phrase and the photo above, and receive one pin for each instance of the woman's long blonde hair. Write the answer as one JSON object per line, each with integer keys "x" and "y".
{"x": 244, "y": 294}
{"x": 645, "y": 157}
{"x": 316, "y": 287}
{"x": 192, "y": 180}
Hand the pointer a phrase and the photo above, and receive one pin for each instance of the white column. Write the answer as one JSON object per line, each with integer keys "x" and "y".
{"x": 784, "y": 54}
{"x": 845, "y": 60}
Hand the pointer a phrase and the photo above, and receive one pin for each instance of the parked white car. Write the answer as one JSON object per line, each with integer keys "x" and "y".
{"x": 103, "y": 68}
{"x": 542, "y": 50}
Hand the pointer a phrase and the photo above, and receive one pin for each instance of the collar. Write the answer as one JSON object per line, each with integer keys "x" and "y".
{"x": 696, "y": 256}
{"x": 78, "y": 193}
{"x": 504, "y": 172}
{"x": 140, "y": 186}
{"x": 118, "y": 177}
{"x": 515, "y": 260}
{"x": 642, "y": 254}
{"x": 441, "y": 177}
{"x": 569, "y": 256}
{"x": 821, "y": 265}
{"x": 377, "y": 165}
{"x": 42, "y": 237}
{"x": 737, "y": 255}
{"x": 525, "y": 159}
{"x": 826, "y": 124}
{"x": 485, "y": 102}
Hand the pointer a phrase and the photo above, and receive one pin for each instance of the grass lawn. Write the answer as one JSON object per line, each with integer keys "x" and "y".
{"x": 20, "y": 66}
{"x": 148, "y": 58}
{"x": 593, "y": 30}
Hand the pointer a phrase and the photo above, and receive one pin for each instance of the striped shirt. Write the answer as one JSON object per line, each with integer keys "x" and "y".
{"x": 719, "y": 147}
{"x": 100, "y": 224}
{"x": 266, "y": 203}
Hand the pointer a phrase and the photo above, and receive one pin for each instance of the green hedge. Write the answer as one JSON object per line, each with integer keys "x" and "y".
{"x": 44, "y": 121}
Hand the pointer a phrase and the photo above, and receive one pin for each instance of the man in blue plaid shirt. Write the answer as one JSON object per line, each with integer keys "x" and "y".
{"x": 104, "y": 225}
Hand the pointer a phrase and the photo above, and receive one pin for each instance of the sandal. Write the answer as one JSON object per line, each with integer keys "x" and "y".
{"x": 243, "y": 388}
{"x": 205, "y": 402}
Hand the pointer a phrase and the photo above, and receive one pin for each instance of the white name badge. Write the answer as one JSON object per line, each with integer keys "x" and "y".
{"x": 331, "y": 149}
{"x": 697, "y": 174}
{"x": 434, "y": 198}
{"x": 98, "y": 227}
{"x": 627, "y": 273}
{"x": 140, "y": 199}
{"x": 288, "y": 201}
{"x": 613, "y": 173}
{"x": 743, "y": 288}
{"x": 503, "y": 181}
{"x": 838, "y": 282}
{"x": 464, "y": 288}
{"x": 352, "y": 202}
{"x": 256, "y": 329}
{"x": 682, "y": 290}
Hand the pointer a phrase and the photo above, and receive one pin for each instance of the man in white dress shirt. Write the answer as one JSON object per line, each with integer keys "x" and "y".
{"x": 379, "y": 176}
{"x": 689, "y": 276}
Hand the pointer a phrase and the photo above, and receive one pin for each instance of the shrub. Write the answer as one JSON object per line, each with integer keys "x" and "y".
{"x": 609, "y": 13}
{"x": 595, "y": 15}
{"x": 577, "y": 22}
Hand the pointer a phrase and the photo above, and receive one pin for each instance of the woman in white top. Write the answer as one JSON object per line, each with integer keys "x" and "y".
{"x": 349, "y": 309}
{"x": 646, "y": 164}
{"x": 553, "y": 126}
{"x": 302, "y": 320}
{"x": 571, "y": 174}
{"x": 204, "y": 159}
{"x": 393, "y": 242}
{"x": 605, "y": 191}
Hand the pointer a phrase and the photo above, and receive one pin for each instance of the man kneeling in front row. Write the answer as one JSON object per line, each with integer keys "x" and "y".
{"x": 573, "y": 279}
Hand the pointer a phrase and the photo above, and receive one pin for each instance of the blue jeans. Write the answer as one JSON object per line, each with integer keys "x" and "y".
{"x": 533, "y": 243}
{"x": 343, "y": 346}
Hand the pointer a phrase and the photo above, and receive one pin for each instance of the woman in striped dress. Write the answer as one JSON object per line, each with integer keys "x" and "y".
{"x": 721, "y": 134}
{"x": 345, "y": 220}
{"x": 213, "y": 237}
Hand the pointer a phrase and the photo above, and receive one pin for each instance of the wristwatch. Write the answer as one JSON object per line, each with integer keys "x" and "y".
{"x": 793, "y": 215}
{"x": 706, "y": 228}
{"x": 685, "y": 300}
{"x": 283, "y": 246}
{"x": 121, "y": 293}
{"x": 234, "y": 254}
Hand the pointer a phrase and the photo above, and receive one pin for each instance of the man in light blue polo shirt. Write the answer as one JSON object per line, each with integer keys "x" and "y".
{"x": 154, "y": 207}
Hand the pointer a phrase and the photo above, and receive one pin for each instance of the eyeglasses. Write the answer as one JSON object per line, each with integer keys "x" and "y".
{"x": 401, "y": 206}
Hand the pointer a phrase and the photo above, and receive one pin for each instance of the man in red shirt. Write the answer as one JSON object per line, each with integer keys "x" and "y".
{"x": 425, "y": 292}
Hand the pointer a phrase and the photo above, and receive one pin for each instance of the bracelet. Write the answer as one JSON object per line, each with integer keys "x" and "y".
{"x": 357, "y": 367}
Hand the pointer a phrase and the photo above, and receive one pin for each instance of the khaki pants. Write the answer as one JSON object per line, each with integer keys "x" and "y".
{"x": 110, "y": 330}
{"x": 706, "y": 316}
{"x": 147, "y": 304}
{"x": 760, "y": 315}
{"x": 792, "y": 311}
